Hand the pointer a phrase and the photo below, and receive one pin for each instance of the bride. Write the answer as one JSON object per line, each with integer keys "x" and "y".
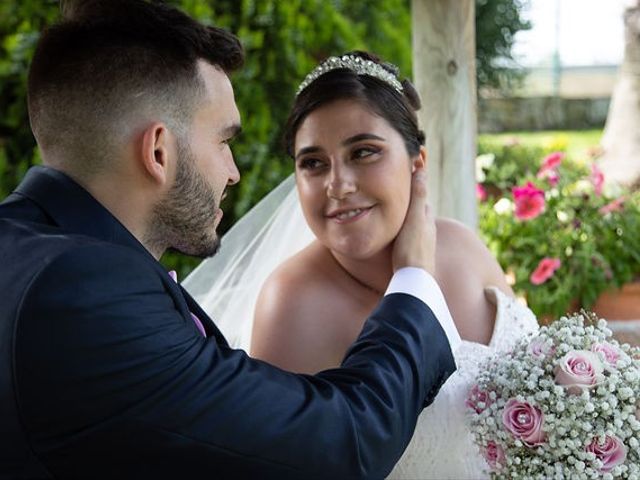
{"x": 297, "y": 277}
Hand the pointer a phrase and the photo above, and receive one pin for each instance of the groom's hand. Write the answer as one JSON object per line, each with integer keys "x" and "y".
{"x": 415, "y": 245}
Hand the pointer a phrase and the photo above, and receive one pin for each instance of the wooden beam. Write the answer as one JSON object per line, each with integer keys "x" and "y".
{"x": 445, "y": 77}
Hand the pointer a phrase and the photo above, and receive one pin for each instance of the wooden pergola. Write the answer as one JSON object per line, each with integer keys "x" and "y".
{"x": 445, "y": 76}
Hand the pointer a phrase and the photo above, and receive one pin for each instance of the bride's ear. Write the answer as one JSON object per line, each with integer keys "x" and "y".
{"x": 420, "y": 160}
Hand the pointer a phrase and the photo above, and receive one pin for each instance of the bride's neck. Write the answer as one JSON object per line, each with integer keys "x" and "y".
{"x": 373, "y": 273}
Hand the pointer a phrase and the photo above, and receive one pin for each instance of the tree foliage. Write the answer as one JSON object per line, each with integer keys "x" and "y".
{"x": 497, "y": 22}
{"x": 283, "y": 41}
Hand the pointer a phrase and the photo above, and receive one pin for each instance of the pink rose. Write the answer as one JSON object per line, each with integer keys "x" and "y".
{"x": 481, "y": 193}
{"x": 477, "y": 397}
{"x": 529, "y": 201}
{"x": 611, "y": 353}
{"x": 540, "y": 348}
{"x": 545, "y": 270}
{"x": 614, "y": 206}
{"x": 494, "y": 455}
{"x": 611, "y": 452}
{"x": 597, "y": 178}
{"x": 577, "y": 370}
{"x": 524, "y": 421}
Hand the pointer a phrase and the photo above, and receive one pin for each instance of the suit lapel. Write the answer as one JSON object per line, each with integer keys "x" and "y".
{"x": 207, "y": 323}
{"x": 74, "y": 209}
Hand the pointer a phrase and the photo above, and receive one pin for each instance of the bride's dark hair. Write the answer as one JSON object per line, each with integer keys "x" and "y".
{"x": 399, "y": 109}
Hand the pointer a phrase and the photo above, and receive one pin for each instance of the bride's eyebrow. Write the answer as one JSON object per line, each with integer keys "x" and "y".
{"x": 361, "y": 136}
{"x": 305, "y": 150}
{"x": 345, "y": 143}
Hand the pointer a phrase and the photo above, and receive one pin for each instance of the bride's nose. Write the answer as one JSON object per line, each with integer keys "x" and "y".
{"x": 341, "y": 182}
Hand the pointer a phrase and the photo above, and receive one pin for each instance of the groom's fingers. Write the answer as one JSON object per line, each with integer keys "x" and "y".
{"x": 415, "y": 244}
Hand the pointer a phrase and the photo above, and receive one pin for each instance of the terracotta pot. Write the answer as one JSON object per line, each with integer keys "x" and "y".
{"x": 623, "y": 304}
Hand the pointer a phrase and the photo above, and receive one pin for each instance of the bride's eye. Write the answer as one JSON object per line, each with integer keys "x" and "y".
{"x": 310, "y": 163}
{"x": 365, "y": 153}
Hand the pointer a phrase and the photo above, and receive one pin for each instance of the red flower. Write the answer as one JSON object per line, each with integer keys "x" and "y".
{"x": 545, "y": 270}
{"x": 481, "y": 193}
{"x": 597, "y": 178}
{"x": 529, "y": 201}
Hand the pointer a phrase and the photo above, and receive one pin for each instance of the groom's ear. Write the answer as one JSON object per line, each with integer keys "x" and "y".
{"x": 157, "y": 148}
{"x": 420, "y": 160}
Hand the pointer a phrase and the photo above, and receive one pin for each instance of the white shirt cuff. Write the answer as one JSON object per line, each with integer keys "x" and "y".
{"x": 418, "y": 283}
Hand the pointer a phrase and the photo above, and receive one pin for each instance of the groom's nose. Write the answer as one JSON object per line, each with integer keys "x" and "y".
{"x": 234, "y": 173}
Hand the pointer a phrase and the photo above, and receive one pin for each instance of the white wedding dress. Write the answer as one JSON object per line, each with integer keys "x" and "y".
{"x": 227, "y": 286}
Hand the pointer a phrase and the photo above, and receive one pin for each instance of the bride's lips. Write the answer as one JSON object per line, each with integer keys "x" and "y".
{"x": 348, "y": 215}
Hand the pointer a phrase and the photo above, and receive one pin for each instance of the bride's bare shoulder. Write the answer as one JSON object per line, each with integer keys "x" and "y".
{"x": 290, "y": 285}
{"x": 291, "y": 303}
{"x": 459, "y": 247}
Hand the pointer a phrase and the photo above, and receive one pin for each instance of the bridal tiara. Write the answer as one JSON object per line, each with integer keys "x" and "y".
{"x": 356, "y": 64}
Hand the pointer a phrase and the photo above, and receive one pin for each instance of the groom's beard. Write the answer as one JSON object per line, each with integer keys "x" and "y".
{"x": 185, "y": 219}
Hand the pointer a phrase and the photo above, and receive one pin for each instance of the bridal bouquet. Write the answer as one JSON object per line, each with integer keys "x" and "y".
{"x": 563, "y": 404}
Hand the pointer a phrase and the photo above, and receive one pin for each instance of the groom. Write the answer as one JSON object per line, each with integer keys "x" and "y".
{"x": 109, "y": 368}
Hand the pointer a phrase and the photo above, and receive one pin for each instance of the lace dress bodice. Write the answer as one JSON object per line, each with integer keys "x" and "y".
{"x": 442, "y": 446}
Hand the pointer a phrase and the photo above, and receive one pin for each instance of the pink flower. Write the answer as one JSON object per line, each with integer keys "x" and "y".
{"x": 549, "y": 166}
{"x": 481, "y": 193}
{"x": 545, "y": 270}
{"x": 597, "y": 178}
{"x": 529, "y": 201}
{"x": 551, "y": 175}
{"x": 577, "y": 370}
{"x": 610, "y": 352}
{"x": 477, "y": 399}
{"x": 550, "y": 162}
{"x": 540, "y": 348}
{"x": 553, "y": 179}
{"x": 494, "y": 455}
{"x": 524, "y": 421}
{"x": 611, "y": 452}
{"x": 613, "y": 206}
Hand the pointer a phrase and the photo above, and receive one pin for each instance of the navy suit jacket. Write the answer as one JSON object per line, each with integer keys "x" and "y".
{"x": 104, "y": 374}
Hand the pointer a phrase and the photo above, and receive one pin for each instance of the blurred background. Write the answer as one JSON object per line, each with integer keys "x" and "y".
{"x": 546, "y": 72}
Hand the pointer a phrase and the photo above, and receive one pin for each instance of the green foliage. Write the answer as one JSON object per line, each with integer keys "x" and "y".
{"x": 20, "y": 24}
{"x": 497, "y": 22}
{"x": 284, "y": 40}
{"x": 598, "y": 250}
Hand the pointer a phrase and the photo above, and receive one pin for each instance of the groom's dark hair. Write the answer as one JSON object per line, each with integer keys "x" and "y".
{"x": 108, "y": 62}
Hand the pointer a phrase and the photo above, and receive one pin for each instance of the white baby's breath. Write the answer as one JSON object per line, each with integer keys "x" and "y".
{"x": 572, "y": 418}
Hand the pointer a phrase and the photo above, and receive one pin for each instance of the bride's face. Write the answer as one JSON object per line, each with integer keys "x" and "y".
{"x": 353, "y": 175}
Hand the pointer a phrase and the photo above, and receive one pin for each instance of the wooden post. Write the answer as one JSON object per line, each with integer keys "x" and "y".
{"x": 445, "y": 77}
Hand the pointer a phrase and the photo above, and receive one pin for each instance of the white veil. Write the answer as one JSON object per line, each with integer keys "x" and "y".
{"x": 227, "y": 285}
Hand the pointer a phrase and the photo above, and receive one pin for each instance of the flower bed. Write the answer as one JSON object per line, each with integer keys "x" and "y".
{"x": 562, "y": 234}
